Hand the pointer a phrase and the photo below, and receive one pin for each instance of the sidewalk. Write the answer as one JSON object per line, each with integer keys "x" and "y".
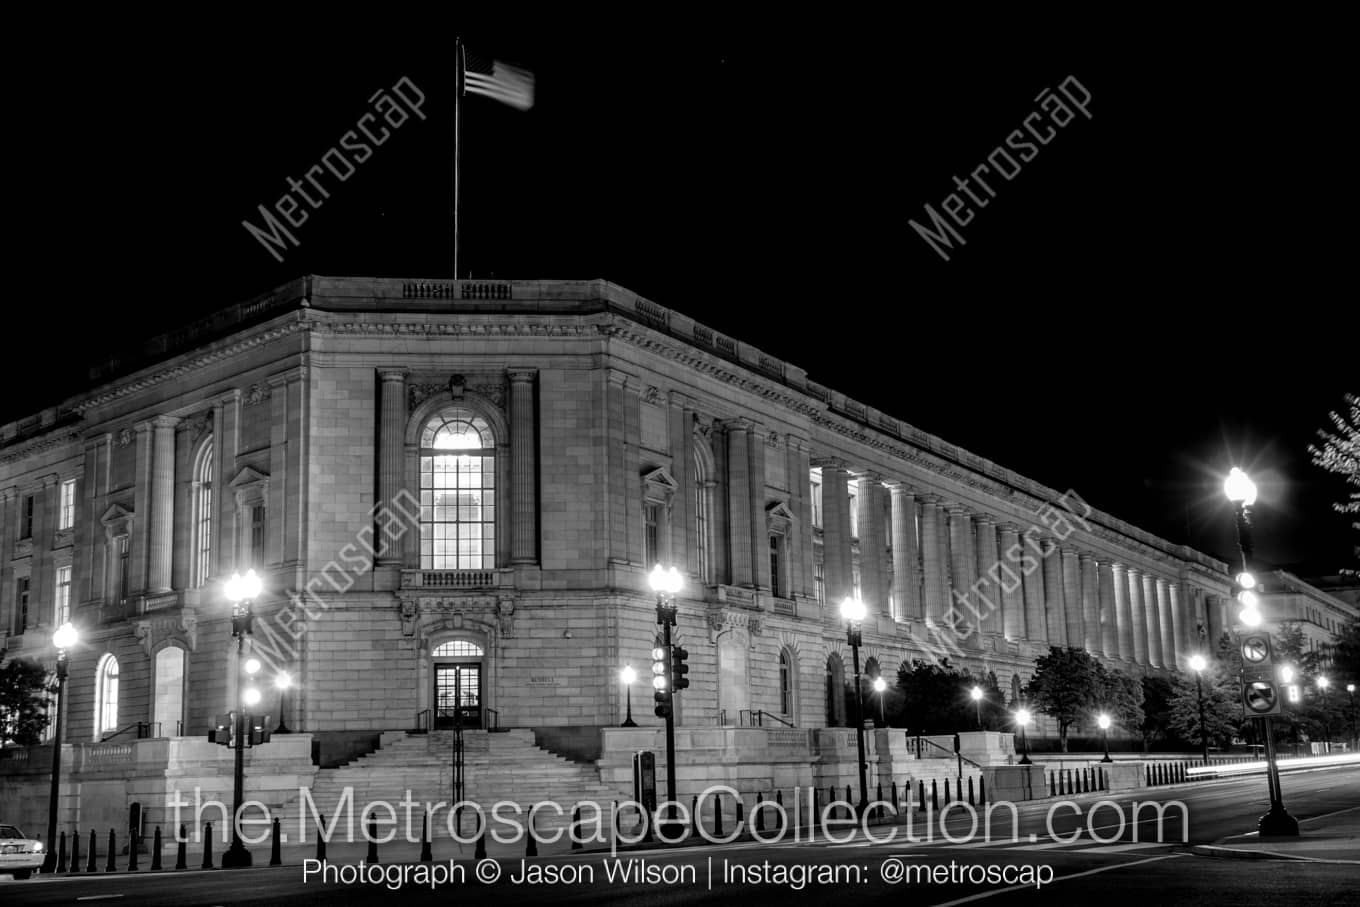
{"x": 1332, "y": 838}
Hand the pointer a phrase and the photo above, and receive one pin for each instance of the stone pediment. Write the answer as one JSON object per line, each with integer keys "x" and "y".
{"x": 661, "y": 479}
{"x": 116, "y": 513}
{"x": 248, "y": 476}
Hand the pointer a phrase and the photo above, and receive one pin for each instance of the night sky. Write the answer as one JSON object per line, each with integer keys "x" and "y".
{"x": 1157, "y": 295}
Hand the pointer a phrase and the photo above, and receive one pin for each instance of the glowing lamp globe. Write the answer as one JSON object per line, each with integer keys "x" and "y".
{"x": 1239, "y": 488}
{"x": 852, "y": 609}
{"x": 65, "y": 637}
{"x": 1104, "y": 722}
{"x": 1197, "y": 663}
{"x": 628, "y": 675}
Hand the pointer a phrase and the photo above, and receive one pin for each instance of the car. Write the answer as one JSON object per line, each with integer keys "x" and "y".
{"x": 19, "y": 855}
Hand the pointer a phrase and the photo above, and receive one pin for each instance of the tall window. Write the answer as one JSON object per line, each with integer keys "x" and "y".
{"x": 819, "y": 575}
{"x": 651, "y": 516}
{"x": 124, "y": 561}
{"x": 854, "y": 509}
{"x": 26, "y": 518}
{"x": 257, "y": 524}
{"x": 67, "y": 515}
{"x": 203, "y": 519}
{"x": 106, "y": 696}
{"x": 21, "y": 588}
{"x": 703, "y": 494}
{"x": 785, "y": 683}
{"x": 61, "y": 611}
{"x": 775, "y": 587}
{"x": 815, "y": 495}
{"x": 457, "y": 492}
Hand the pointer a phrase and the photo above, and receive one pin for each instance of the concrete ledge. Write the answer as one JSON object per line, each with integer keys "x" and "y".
{"x": 1207, "y": 850}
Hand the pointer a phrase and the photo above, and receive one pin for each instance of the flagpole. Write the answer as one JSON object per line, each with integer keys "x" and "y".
{"x": 457, "y": 146}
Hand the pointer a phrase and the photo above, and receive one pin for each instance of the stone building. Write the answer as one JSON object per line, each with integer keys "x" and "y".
{"x": 454, "y": 492}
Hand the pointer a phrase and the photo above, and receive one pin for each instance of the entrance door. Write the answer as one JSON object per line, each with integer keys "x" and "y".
{"x": 458, "y": 695}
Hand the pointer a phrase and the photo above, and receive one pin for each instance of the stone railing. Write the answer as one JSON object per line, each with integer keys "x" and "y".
{"x": 450, "y": 579}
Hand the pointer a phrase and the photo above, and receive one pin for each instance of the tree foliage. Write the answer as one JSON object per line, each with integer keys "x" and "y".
{"x": 1067, "y": 686}
{"x": 1340, "y": 454}
{"x": 1344, "y": 651}
{"x": 933, "y": 699}
{"x": 24, "y": 688}
{"x": 1121, "y": 697}
{"x": 1156, "y": 722}
{"x": 1222, "y": 709}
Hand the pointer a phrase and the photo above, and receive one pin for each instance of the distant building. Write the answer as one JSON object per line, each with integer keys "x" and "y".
{"x": 1319, "y": 614}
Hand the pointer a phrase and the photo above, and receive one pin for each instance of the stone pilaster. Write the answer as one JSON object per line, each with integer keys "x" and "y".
{"x": 800, "y": 467}
{"x": 1217, "y": 619}
{"x": 1055, "y": 610}
{"x": 989, "y": 575}
{"x": 391, "y": 445}
{"x": 1154, "y": 621}
{"x": 1072, "y": 604}
{"x": 1138, "y": 623}
{"x": 1036, "y": 625}
{"x": 619, "y": 481}
{"x": 963, "y": 566}
{"x": 739, "y": 501}
{"x": 755, "y": 506}
{"x": 226, "y": 445}
{"x": 836, "y": 533}
{"x": 523, "y": 467}
{"x": 1012, "y": 582}
{"x": 681, "y": 418}
{"x": 906, "y": 584}
{"x": 932, "y": 559}
{"x": 1123, "y": 610}
{"x": 139, "y": 541}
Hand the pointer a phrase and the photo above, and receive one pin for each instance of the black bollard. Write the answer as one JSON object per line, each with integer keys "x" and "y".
{"x": 207, "y": 846}
{"x": 935, "y": 794}
{"x": 156, "y": 849}
{"x": 91, "y": 865}
{"x": 946, "y": 791}
{"x": 426, "y": 854}
{"x": 320, "y": 838}
{"x": 982, "y": 790}
{"x": 849, "y": 801}
{"x": 372, "y": 857}
{"x": 880, "y": 796}
{"x": 694, "y": 815}
{"x": 741, "y": 814}
{"x": 760, "y": 813}
{"x": 61, "y": 853}
{"x": 275, "y": 856}
{"x": 576, "y": 827}
{"x": 921, "y": 794}
{"x": 479, "y": 852}
{"x": 181, "y": 857}
{"x": 531, "y": 845}
{"x": 897, "y": 804}
{"x": 971, "y": 801}
{"x": 110, "y": 865}
{"x": 717, "y": 816}
{"x": 75, "y": 851}
{"x": 1053, "y": 784}
{"x": 132, "y": 852}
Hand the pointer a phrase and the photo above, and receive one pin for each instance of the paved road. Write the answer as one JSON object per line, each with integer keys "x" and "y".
{"x": 1087, "y": 856}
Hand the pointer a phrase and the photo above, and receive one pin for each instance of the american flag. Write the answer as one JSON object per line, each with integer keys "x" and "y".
{"x": 500, "y": 81}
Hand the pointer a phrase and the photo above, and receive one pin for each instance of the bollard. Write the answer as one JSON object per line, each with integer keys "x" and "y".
{"x": 920, "y": 794}
{"x": 207, "y": 846}
{"x": 531, "y": 846}
{"x": 426, "y": 854}
{"x": 61, "y": 853}
{"x": 741, "y": 814}
{"x": 946, "y": 792}
{"x": 132, "y": 852}
{"x": 75, "y": 851}
{"x": 971, "y": 801}
{"x": 479, "y": 852}
{"x": 156, "y": 849}
{"x": 320, "y": 838}
{"x": 1068, "y": 773}
{"x": 760, "y": 813}
{"x": 1053, "y": 784}
{"x": 180, "y": 855}
{"x": 576, "y": 827}
{"x": 880, "y": 797}
{"x": 1149, "y": 776}
{"x": 275, "y": 856}
{"x": 91, "y": 865}
{"x": 372, "y": 858}
{"x": 694, "y": 815}
{"x": 717, "y": 816}
{"x": 110, "y": 865}
{"x": 935, "y": 794}
{"x": 849, "y": 801}
{"x": 896, "y": 802}
{"x": 982, "y": 790}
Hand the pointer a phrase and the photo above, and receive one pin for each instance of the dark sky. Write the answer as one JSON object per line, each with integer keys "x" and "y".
{"x": 1158, "y": 295}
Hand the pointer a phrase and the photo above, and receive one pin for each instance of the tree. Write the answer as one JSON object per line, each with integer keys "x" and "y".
{"x": 1157, "y": 695}
{"x": 1121, "y": 696}
{"x": 1340, "y": 454}
{"x": 935, "y": 700}
{"x": 1066, "y": 687}
{"x": 1221, "y": 706}
{"x": 1344, "y": 653}
{"x": 24, "y": 688}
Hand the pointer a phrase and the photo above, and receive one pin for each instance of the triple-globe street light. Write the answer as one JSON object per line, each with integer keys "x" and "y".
{"x": 241, "y": 591}
{"x": 1198, "y": 664}
{"x": 853, "y": 611}
{"x": 65, "y": 638}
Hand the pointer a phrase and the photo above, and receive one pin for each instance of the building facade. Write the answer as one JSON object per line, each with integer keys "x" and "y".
{"x": 454, "y": 491}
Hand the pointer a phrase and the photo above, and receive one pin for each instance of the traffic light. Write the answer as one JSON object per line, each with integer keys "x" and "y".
{"x": 660, "y": 683}
{"x": 258, "y": 729}
{"x": 679, "y": 669}
{"x": 1250, "y": 614}
{"x": 221, "y": 730}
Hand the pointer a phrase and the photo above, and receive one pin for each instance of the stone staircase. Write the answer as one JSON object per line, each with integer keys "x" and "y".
{"x": 497, "y": 766}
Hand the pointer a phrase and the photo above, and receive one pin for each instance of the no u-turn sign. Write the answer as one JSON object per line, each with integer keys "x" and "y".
{"x": 1261, "y": 698}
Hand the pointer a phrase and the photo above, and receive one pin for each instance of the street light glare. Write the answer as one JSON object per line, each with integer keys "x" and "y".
{"x": 252, "y": 666}
{"x": 1246, "y": 580}
{"x": 628, "y": 675}
{"x": 1239, "y": 488}
{"x": 1250, "y": 617}
{"x": 1023, "y": 717}
{"x": 852, "y": 609}
{"x": 1286, "y": 674}
{"x": 1104, "y": 721}
{"x": 1197, "y": 663}
{"x": 657, "y": 579}
{"x": 880, "y": 684}
{"x": 251, "y": 696}
{"x": 65, "y": 637}
{"x": 1323, "y": 683}
{"x": 1350, "y": 688}
{"x": 976, "y": 693}
{"x": 251, "y": 585}
{"x": 283, "y": 681}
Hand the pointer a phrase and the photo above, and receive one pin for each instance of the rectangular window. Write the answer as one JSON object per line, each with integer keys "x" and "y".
{"x": 816, "y": 497}
{"x": 775, "y": 589}
{"x": 651, "y": 535}
{"x": 26, "y": 518}
{"x": 124, "y": 561}
{"x": 21, "y": 586}
{"x": 257, "y": 524}
{"x": 67, "y": 517}
{"x": 819, "y": 578}
{"x": 854, "y": 510}
{"x": 62, "y": 602}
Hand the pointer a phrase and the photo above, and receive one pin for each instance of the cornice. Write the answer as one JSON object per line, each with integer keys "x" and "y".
{"x": 37, "y": 445}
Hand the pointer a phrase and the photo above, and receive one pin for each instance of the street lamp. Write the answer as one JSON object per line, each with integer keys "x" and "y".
{"x": 1241, "y": 491}
{"x": 628, "y": 675}
{"x": 65, "y": 637}
{"x": 1322, "y": 684}
{"x": 667, "y": 584}
{"x": 283, "y": 681}
{"x": 1198, "y": 664}
{"x": 880, "y": 685}
{"x": 852, "y": 610}
{"x": 240, "y": 591}
{"x": 1350, "y": 691}
{"x": 1022, "y": 718}
{"x": 1104, "y": 721}
{"x": 976, "y": 693}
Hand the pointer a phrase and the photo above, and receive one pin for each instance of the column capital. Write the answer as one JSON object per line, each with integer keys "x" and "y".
{"x": 1085, "y": 556}
{"x": 10, "y": 493}
{"x": 830, "y": 463}
{"x": 50, "y": 479}
{"x": 622, "y": 379}
{"x": 802, "y": 445}
{"x": 522, "y": 375}
{"x": 1008, "y": 526}
{"x": 164, "y": 422}
{"x": 930, "y": 499}
{"x": 897, "y": 486}
{"x": 985, "y": 518}
{"x": 956, "y": 509}
{"x": 396, "y": 373}
{"x": 681, "y": 400}
{"x": 738, "y": 424}
{"x": 871, "y": 476}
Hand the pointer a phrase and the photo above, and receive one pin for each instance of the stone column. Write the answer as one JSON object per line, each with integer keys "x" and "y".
{"x": 680, "y": 418}
{"x": 523, "y": 497}
{"x": 1036, "y": 627}
{"x": 739, "y": 500}
{"x": 905, "y": 582}
{"x": 1123, "y": 610}
{"x": 1109, "y": 620}
{"x": 1055, "y": 609}
{"x": 1154, "y": 621}
{"x": 755, "y": 505}
{"x": 391, "y": 446}
{"x": 1012, "y": 601}
{"x": 932, "y": 558}
{"x": 963, "y": 564}
{"x": 1090, "y": 604}
{"x": 801, "y": 471}
{"x": 1138, "y": 617}
{"x": 1168, "y": 621}
{"x": 872, "y": 545}
{"x": 836, "y": 534}
{"x": 1072, "y": 603}
{"x": 988, "y": 595}
{"x": 162, "y": 503}
{"x": 1216, "y": 619}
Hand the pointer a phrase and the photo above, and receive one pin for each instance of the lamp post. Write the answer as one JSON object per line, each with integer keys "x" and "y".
{"x": 1104, "y": 721}
{"x": 283, "y": 681}
{"x": 1350, "y": 691}
{"x": 65, "y": 637}
{"x": 1198, "y": 664}
{"x": 667, "y": 584}
{"x": 881, "y": 685}
{"x": 1022, "y": 718}
{"x": 628, "y": 675}
{"x": 1241, "y": 491}
{"x": 240, "y": 591}
{"x": 852, "y": 610}
{"x": 976, "y": 693}
{"x": 1322, "y": 684}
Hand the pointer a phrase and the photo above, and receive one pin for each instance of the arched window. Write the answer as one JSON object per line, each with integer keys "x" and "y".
{"x": 203, "y": 521}
{"x": 457, "y": 492}
{"x": 703, "y": 503}
{"x": 458, "y": 648}
{"x": 785, "y": 682}
{"x": 168, "y": 707}
{"x": 106, "y": 696}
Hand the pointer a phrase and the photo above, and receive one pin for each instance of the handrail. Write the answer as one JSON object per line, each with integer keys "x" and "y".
{"x": 756, "y": 718}
{"x": 495, "y": 716}
{"x": 927, "y": 740}
{"x": 143, "y": 731}
{"x": 423, "y": 721}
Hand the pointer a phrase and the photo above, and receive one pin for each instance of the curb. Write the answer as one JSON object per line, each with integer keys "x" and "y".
{"x": 1206, "y": 850}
